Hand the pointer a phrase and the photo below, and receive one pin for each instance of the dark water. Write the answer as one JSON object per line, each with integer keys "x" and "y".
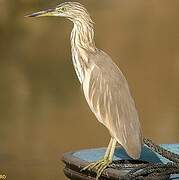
{"x": 42, "y": 110}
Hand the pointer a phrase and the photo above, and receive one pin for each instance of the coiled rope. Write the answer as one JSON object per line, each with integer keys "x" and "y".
{"x": 150, "y": 171}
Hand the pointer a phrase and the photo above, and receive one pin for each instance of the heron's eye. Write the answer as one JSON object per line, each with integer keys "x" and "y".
{"x": 63, "y": 9}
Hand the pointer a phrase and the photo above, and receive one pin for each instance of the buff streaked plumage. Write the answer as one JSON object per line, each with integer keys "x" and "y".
{"x": 108, "y": 96}
{"x": 105, "y": 87}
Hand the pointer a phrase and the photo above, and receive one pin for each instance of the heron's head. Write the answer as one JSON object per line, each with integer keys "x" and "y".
{"x": 71, "y": 10}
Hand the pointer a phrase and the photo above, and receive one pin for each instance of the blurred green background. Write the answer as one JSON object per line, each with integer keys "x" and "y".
{"x": 42, "y": 109}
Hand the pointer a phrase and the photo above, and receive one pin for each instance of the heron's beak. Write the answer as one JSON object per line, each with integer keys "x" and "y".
{"x": 48, "y": 12}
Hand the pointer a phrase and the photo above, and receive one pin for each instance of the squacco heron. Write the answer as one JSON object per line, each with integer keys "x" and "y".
{"x": 105, "y": 87}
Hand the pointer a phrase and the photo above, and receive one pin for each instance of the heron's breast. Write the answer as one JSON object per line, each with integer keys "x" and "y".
{"x": 87, "y": 88}
{"x": 78, "y": 66}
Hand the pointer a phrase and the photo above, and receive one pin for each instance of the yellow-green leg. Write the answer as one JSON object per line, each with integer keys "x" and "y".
{"x": 102, "y": 164}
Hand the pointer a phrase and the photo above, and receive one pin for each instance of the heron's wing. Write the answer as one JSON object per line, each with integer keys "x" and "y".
{"x": 108, "y": 96}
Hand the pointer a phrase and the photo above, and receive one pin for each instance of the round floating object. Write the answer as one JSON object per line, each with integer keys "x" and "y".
{"x": 75, "y": 161}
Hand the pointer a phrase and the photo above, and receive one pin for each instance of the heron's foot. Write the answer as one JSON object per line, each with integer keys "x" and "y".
{"x": 98, "y": 166}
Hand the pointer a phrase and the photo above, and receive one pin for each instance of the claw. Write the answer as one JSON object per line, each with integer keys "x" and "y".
{"x": 98, "y": 167}
{"x": 89, "y": 167}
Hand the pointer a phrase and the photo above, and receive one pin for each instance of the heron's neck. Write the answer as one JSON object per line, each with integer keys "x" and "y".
{"x": 82, "y": 36}
{"x": 82, "y": 43}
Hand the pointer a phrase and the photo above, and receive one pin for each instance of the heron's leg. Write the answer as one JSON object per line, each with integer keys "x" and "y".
{"x": 108, "y": 148}
{"x": 106, "y": 161}
{"x": 102, "y": 164}
{"x": 92, "y": 165}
